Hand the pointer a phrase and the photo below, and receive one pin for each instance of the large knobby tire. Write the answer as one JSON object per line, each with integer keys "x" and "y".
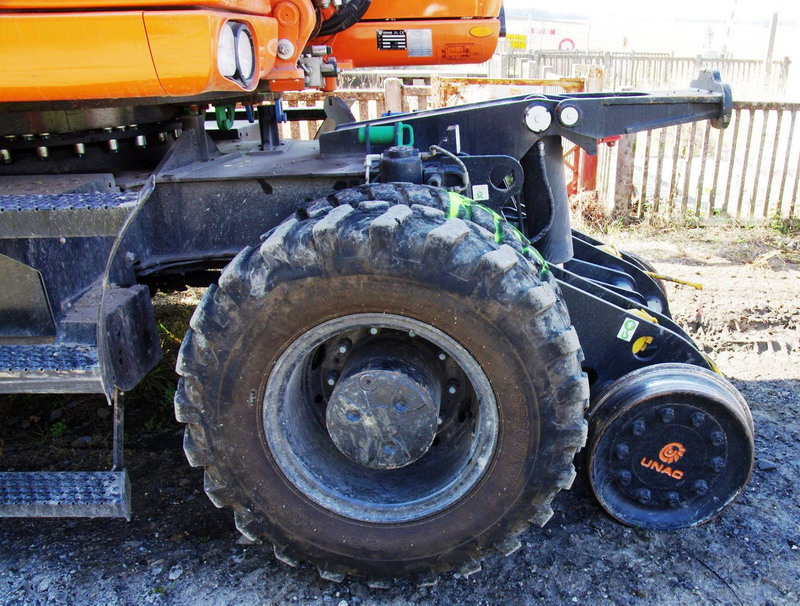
{"x": 384, "y": 260}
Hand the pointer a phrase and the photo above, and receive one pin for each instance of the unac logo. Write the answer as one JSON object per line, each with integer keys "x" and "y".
{"x": 669, "y": 454}
{"x": 672, "y": 452}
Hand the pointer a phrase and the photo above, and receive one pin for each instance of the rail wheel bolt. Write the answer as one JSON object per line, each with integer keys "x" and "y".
{"x": 621, "y": 451}
{"x": 344, "y": 346}
{"x": 673, "y": 500}
{"x": 624, "y": 477}
{"x": 333, "y": 376}
{"x": 638, "y": 427}
{"x": 667, "y": 415}
{"x": 642, "y": 495}
{"x": 700, "y": 487}
{"x": 717, "y": 439}
{"x": 698, "y": 418}
{"x": 717, "y": 464}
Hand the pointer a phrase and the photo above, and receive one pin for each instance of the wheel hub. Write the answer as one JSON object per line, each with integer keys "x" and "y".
{"x": 384, "y": 410}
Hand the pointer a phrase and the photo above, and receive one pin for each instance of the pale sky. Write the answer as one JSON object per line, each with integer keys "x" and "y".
{"x": 671, "y": 9}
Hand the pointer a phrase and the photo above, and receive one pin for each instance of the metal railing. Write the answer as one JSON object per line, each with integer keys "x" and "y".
{"x": 751, "y": 170}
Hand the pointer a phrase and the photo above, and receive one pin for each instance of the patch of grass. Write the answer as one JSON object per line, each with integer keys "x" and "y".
{"x": 58, "y": 429}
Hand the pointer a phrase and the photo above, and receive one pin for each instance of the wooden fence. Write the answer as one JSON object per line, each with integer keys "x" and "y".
{"x": 751, "y": 170}
{"x": 749, "y": 78}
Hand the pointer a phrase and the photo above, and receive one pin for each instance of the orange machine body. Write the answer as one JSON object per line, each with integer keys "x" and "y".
{"x": 71, "y": 50}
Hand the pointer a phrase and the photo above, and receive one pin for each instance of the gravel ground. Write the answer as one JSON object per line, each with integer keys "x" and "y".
{"x": 180, "y": 549}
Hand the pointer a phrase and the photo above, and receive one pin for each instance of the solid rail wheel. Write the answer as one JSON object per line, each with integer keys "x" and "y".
{"x": 383, "y": 391}
{"x": 670, "y": 446}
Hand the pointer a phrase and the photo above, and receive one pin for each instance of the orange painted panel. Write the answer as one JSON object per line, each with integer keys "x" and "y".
{"x": 70, "y": 56}
{"x": 250, "y": 6}
{"x": 433, "y": 9}
{"x": 184, "y": 48}
{"x": 418, "y": 42}
{"x": 75, "y": 56}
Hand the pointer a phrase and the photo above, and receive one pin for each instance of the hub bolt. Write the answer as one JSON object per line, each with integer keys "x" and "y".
{"x": 700, "y": 487}
{"x": 673, "y": 499}
{"x": 717, "y": 464}
{"x": 624, "y": 477}
{"x": 642, "y": 495}
{"x": 698, "y": 418}
{"x": 638, "y": 428}
{"x": 621, "y": 451}
{"x": 717, "y": 438}
{"x": 332, "y": 377}
{"x": 344, "y": 346}
{"x": 667, "y": 415}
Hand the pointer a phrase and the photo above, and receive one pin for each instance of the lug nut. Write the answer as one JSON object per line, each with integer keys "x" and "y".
{"x": 698, "y": 418}
{"x": 717, "y": 464}
{"x": 140, "y": 141}
{"x": 452, "y": 386}
{"x": 621, "y": 451}
{"x": 667, "y": 415}
{"x": 80, "y": 149}
{"x": 344, "y": 346}
{"x": 700, "y": 487}
{"x": 673, "y": 499}
{"x": 333, "y": 376}
{"x": 642, "y": 495}
{"x": 717, "y": 438}
{"x": 624, "y": 477}
{"x": 638, "y": 427}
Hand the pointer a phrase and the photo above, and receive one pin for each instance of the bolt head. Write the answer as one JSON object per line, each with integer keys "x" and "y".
{"x": 673, "y": 499}
{"x": 373, "y": 331}
{"x": 569, "y": 116}
{"x": 717, "y": 438}
{"x": 667, "y": 415}
{"x": 700, "y": 487}
{"x": 344, "y": 346}
{"x": 697, "y": 419}
{"x": 538, "y": 118}
{"x": 452, "y": 387}
{"x": 442, "y": 356}
{"x": 332, "y": 378}
{"x": 642, "y": 495}
{"x": 638, "y": 428}
{"x": 717, "y": 464}
{"x": 624, "y": 477}
{"x": 621, "y": 451}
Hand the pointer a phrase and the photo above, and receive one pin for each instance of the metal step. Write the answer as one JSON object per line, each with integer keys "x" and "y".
{"x": 64, "y": 215}
{"x": 85, "y": 494}
{"x": 60, "y": 368}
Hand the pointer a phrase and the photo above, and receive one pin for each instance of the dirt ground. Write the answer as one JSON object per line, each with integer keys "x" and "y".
{"x": 180, "y": 549}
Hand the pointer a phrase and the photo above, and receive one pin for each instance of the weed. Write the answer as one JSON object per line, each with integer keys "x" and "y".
{"x": 785, "y": 227}
{"x": 58, "y": 429}
{"x": 160, "y": 590}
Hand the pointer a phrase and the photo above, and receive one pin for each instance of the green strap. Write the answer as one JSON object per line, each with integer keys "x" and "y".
{"x": 462, "y": 207}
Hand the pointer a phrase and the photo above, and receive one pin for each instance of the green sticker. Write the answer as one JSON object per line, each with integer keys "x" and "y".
{"x": 627, "y": 329}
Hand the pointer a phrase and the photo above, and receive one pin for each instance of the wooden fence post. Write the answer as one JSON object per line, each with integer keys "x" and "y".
{"x": 623, "y": 188}
{"x": 393, "y": 95}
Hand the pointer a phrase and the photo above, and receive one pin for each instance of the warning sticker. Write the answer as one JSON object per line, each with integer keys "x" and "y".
{"x": 420, "y": 43}
{"x": 627, "y": 329}
{"x": 392, "y": 39}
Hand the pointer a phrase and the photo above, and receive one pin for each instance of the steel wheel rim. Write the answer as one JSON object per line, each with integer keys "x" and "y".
{"x": 310, "y": 461}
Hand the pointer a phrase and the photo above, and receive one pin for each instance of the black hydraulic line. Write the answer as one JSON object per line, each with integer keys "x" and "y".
{"x": 345, "y": 17}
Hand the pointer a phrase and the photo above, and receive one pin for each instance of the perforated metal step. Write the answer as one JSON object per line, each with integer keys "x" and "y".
{"x": 86, "y": 494}
{"x": 49, "y": 369}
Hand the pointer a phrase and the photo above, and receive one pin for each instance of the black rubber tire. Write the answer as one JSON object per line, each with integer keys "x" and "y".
{"x": 384, "y": 248}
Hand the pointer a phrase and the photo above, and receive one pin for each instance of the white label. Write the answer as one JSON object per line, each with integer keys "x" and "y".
{"x": 420, "y": 42}
{"x": 480, "y": 193}
{"x": 627, "y": 329}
